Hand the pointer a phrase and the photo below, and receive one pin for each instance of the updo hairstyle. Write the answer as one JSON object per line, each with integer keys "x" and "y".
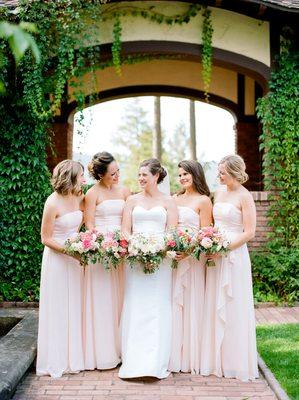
{"x": 99, "y": 164}
{"x": 155, "y": 168}
{"x": 235, "y": 167}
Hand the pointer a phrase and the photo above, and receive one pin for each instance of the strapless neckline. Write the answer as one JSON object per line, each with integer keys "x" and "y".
{"x": 226, "y": 202}
{"x": 189, "y": 208}
{"x": 149, "y": 209}
{"x": 71, "y": 212}
{"x": 105, "y": 201}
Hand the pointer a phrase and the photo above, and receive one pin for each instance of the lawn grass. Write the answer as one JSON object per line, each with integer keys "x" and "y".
{"x": 278, "y": 345}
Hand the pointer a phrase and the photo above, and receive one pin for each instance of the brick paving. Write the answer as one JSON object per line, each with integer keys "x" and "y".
{"x": 105, "y": 385}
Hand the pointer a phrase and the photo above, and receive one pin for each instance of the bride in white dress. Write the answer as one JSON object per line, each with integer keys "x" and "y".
{"x": 146, "y": 318}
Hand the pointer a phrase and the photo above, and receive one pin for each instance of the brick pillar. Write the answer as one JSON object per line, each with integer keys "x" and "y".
{"x": 262, "y": 229}
{"x": 59, "y": 145}
{"x": 247, "y": 145}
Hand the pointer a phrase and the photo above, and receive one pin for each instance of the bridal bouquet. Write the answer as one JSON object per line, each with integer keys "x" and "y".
{"x": 178, "y": 240}
{"x": 113, "y": 249}
{"x": 210, "y": 241}
{"x": 148, "y": 250}
{"x": 86, "y": 245}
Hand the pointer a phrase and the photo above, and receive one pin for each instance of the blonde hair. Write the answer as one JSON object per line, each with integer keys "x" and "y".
{"x": 65, "y": 177}
{"x": 235, "y": 167}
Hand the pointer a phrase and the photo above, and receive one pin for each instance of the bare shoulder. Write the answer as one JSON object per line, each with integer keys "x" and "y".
{"x": 126, "y": 192}
{"x": 91, "y": 193}
{"x": 51, "y": 201}
{"x": 169, "y": 200}
{"x": 246, "y": 197}
{"x": 132, "y": 199}
{"x": 204, "y": 201}
{"x": 51, "y": 205}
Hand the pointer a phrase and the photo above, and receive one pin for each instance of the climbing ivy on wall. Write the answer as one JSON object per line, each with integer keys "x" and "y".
{"x": 279, "y": 114}
{"x": 34, "y": 93}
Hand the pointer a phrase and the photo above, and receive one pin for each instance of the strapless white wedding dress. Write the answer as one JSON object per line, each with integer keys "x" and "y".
{"x": 146, "y": 317}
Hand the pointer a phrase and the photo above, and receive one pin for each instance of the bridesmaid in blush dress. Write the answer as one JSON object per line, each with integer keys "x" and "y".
{"x": 195, "y": 211}
{"x": 104, "y": 203}
{"x": 229, "y": 342}
{"x": 60, "y": 343}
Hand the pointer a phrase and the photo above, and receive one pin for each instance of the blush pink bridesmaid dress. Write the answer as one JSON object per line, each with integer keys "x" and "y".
{"x": 60, "y": 343}
{"x": 103, "y": 298}
{"x": 229, "y": 342}
{"x": 188, "y": 302}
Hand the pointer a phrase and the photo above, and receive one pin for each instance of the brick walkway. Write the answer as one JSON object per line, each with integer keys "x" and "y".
{"x": 105, "y": 385}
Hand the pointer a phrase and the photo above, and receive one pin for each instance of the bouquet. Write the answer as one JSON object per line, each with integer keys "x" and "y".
{"x": 148, "y": 250}
{"x": 113, "y": 249}
{"x": 86, "y": 245}
{"x": 210, "y": 241}
{"x": 178, "y": 240}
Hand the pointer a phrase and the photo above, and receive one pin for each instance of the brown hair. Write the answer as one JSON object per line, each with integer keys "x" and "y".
{"x": 65, "y": 177}
{"x": 235, "y": 167}
{"x": 155, "y": 168}
{"x": 195, "y": 169}
{"x": 99, "y": 164}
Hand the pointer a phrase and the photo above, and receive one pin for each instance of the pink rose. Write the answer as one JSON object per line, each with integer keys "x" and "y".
{"x": 171, "y": 243}
{"x": 123, "y": 243}
{"x": 86, "y": 243}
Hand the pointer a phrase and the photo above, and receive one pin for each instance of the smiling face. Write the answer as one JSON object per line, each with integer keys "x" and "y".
{"x": 146, "y": 179}
{"x": 224, "y": 177}
{"x": 185, "y": 179}
{"x": 111, "y": 177}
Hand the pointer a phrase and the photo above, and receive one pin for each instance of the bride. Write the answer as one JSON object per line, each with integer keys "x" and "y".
{"x": 146, "y": 317}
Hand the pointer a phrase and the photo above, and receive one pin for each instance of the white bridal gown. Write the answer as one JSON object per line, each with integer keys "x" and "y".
{"x": 146, "y": 318}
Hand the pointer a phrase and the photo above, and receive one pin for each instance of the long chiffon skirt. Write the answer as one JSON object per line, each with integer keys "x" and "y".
{"x": 229, "y": 341}
{"x": 188, "y": 304}
{"x": 103, "y": 297}
{"x": 60, "y": 343}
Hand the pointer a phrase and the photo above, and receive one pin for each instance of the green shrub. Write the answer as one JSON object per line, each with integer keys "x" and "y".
{"x": 276, "y": 275}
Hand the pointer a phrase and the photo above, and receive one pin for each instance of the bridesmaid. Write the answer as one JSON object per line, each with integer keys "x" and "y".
{"x": 195, "y": 211}
{"x": 104, "y": 203}
{"x": 229, "y": 343}
{"x": 60, "y": 344}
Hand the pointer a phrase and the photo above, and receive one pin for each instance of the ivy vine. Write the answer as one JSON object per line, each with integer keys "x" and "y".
{"x": 34, "y": 94}
{"x": 207, "y": 49}
{"x": 279, "y": 114}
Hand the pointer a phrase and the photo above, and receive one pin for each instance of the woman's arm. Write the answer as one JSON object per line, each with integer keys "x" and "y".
{"x": 47, "y": 228}
{"x": 249, "y": 222}
{"x": 126, "y": 223}
{"x": 206, "y": 212}
{"x": 89, "y": 209}
{"x": 172, "y": 213}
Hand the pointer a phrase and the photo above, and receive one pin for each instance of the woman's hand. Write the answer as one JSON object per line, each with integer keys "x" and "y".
{"x": 213, "y": 256}
{"x": 180, "y": 256}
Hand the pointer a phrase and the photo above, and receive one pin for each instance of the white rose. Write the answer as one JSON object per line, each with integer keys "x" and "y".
{"x": 171, "y": 254}
{"x": 206, "y": 243}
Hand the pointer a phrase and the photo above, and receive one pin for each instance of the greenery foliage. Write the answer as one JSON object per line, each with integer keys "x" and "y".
{"x": 279, "y": 114}
{"x": 19, "y": 41}
{"x": 276, "y": 275}
{"x": 34, "y": 94}
{"x": 207, "y": 34}
{"x": 279, "y": 347}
